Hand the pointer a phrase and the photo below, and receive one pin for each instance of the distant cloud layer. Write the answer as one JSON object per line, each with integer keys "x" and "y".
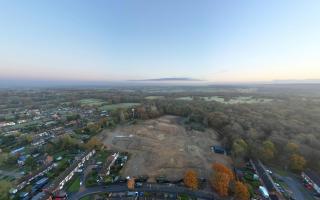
{"x": 170, "y": 79}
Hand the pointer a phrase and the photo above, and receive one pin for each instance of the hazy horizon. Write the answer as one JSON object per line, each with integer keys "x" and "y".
{"x": 108, "y": 41}
{"x": 25, "y": 83}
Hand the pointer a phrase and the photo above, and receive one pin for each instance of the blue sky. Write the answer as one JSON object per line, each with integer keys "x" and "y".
{"x": 213, "y": 40}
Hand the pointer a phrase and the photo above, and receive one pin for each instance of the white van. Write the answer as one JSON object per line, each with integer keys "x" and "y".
{"x": 264, "y": 192}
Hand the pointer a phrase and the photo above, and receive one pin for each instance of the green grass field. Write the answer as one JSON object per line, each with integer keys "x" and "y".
{"x": 233, "y": 100}
{"x": 185, "y": 98}
{"x": 101, "y": 156}
{"x": 91, "y": 102}
{"x": 237, "y": 100}
{"x": 75, "y": 185}
{"x": 154, "y": 97}
{"x": 119, "y": 105}
{"x": 88, "y": 197}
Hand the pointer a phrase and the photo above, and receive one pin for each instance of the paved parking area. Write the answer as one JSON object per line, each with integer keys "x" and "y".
{"x": 299, "y": 192}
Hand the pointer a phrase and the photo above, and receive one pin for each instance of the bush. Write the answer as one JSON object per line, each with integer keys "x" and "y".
{"x": 91, "y": 179}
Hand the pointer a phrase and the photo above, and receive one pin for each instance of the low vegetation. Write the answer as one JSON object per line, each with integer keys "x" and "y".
{"x": 74, "y": 184}
{"x": 119, "y": 105}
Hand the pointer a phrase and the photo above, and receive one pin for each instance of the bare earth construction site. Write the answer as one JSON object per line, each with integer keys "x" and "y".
{"x": 163, "y": 147}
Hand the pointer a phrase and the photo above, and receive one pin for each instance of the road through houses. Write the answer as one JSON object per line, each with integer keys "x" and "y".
{"x": 157, "y": 188}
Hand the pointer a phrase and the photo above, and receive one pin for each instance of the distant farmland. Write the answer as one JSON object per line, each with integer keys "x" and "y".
{"x": 154, "y": 97}
{"x": 119, "y": 105}
{"x": 91, "y": 102}
{"x": 233, "y": 100}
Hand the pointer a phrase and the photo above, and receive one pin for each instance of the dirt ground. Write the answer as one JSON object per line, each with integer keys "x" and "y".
{"x": 163, "y": 147}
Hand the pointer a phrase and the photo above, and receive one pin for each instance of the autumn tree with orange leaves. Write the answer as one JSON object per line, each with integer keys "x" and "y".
{"x": 131, "y": 183}
{"x": 221, "y": 178}
{"x": 191, "y": 179}
{"x": 241, "y": 191}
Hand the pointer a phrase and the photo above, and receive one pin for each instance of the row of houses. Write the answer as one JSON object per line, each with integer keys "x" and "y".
{"x": 110, "y": 162}
{"x": 26, "y": 180}
{"x": 59, "y": 182}
{"x": 77, "y": 167}
{"x": 4, "y": 124}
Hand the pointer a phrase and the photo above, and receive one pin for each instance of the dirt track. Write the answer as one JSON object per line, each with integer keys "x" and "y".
{"x": 164, "y": 147}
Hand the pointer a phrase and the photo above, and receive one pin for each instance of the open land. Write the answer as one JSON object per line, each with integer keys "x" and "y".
{"x": 118, "y": 105}
{"x": 91, "y": 102}
{"x": 163, "y": 147}
{"x": 233, "y": 100}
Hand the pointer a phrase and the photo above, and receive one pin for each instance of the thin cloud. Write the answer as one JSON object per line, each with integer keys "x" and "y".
{"x": 170, "y": 79}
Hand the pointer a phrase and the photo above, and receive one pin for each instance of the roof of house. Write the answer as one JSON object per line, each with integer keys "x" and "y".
{"x": 22, "y": 158}
{"x": 218, "y": 147}
{"x": 39, "y": 196}
{"x": 313, "y": 176}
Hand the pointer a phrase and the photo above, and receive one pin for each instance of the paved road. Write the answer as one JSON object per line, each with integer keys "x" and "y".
{"x": 146, "y": 188}
{"x": 83, "y": 175}
{"x": 297, "y": 189}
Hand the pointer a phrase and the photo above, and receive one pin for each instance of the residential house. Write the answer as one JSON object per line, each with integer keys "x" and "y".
{"x": 21, "y": 160}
